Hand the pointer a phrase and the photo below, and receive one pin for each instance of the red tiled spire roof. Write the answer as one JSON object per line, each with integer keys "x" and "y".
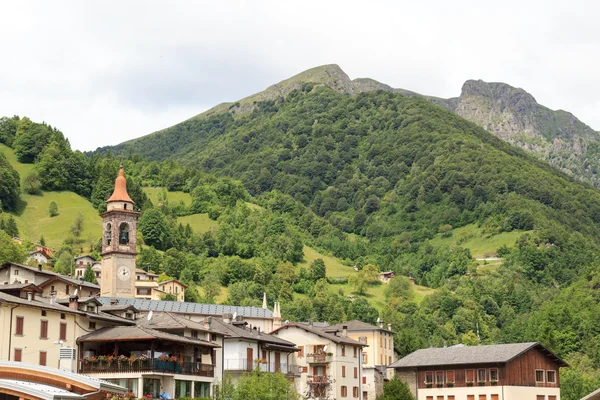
{"x": 120, "y": 192}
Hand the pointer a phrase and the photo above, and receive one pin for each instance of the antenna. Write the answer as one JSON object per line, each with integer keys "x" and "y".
{"x": 149, "y": 317}
{"x": 325, "y": 348}
{"x": 378, "y": 320}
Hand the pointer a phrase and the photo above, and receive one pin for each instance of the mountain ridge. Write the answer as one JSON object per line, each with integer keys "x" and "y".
{"x": 510, "y": 113}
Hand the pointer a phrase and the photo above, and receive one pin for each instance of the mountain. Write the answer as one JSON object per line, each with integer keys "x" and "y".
{"x": 509, "y": 113}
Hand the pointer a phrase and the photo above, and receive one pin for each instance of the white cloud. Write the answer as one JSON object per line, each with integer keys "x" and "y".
{"x": 104, "y": 72}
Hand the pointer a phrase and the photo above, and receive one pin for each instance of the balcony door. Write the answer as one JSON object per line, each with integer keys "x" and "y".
{"x": 249, "y": 358}
{"x": 277, "y": 361}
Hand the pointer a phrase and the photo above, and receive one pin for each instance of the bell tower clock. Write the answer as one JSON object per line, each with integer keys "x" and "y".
{"x": 119, "y": 225}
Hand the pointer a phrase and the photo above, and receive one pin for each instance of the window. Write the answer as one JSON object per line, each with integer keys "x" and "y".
{"x": 44, "y": 331}
{"x": 429, "y": 377}
{"x": 539, "y": 376}
{"x": 364, "y": 380}
{"x": 124, "y": 233}
{"x": 389, "y": 360}
{"x": 63, "y": 316}
{"x": 365, "y": 358}
{"x": 429, "y": 397}
{"x": 540, "y": 397}
{"x": 355, "y": 391}
{"x": 449, "y": 376}
{"x": 355, "y": 372}
{"x": 493, "y": 375}
{"x": 452, "y": 398}
{"x": 18, "y": 354}
{"x": 63, "y": 331}
{"x": 66, "y": 289}
{"x": 551, "y": 376}
{"x": 194, "y": 334}
{"x": 92, "y": 325}
{"x": 108, "y": 234}
{"x": 42, "y": 358}
{"x": 213, "y": 337}
{"x": 551, "y": 397}
{"x": 470, "y": 397}
{"x": 301, "y": 352}
{"x": 16, "y": 272}
{"x": 344, "y": 391}
{"x": 43, "y": 313}
{"x": 343, "y": 371}
{"x": 482, "y": 397}
{"x": 19, "y": 327}
{"x": 481, "y": 375}
{"x": 494, "y": 397}
{"x": 470, "y": 375}
{"x": 52, "y": 288}
{"x": 439, "y": 377}
{"x": 343, "y": 351}
{"x": 355, "y": 351}
{"x": 440, "y": 398}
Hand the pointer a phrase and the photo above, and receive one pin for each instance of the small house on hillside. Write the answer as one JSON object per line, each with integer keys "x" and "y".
{"x": 518, "y": 371}
{"x": 40, "y": 256}
{"x": 386, "y": 276}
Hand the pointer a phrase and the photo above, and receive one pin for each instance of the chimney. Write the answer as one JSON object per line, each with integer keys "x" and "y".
{"x": 389, "y": 327}
{"x": 276, "y": 316}
{"x": 380, "y": 324}
{"x": 53, "y": 297}
{"x": 29, "y": 296}
{"x": 227, "y": 317}
{"x": 114, "y": 302}
{"x": 259, "y": 331}
{"x": 206, "y": 323}
{"x": 345, "y": 330}
{"x": 73, "y": 302}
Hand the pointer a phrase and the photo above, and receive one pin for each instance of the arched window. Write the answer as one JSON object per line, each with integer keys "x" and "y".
{"x": 108, "y": 234}
{"x": 124, "y": 233}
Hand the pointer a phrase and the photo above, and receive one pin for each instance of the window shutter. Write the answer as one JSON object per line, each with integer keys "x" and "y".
{"x": 18, "y": 354}
{"x": 42, "y": 358}
{"x": 301, "y": 352}
{"x": 63, "y": 331}
{"x": 19, "y": 329}
{"x": 44, "y": 330}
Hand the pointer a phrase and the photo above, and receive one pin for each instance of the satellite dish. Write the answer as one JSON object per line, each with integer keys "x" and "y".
{"x": 75, "y": 292}
{"x": 325, "y": 348}
{"x": 149, "y": 317}
{"x": 234, "y": 315}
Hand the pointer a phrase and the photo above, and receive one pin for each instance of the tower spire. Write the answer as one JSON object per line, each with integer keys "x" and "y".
{"x": 120, "y": 192}
{"x": 264, "y": 300}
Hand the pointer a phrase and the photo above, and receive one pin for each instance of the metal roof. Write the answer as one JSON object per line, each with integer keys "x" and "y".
{"x": 320, "y": 332}
{"x": 355, "y": 325}
{"x": 490, "y": 354}
{"x": 182, "y": 307}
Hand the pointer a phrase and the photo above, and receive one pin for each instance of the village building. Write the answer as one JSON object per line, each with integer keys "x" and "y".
{"x": 385, "y": 277}
{"x": 519, "y": 371}
{"x": 330, "y": 361}
{"x": 39, "y": 257}
{"x": 375, "y": 358}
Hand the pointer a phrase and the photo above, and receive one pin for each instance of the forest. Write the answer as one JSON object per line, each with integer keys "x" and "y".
{"x": 370, "y": 179}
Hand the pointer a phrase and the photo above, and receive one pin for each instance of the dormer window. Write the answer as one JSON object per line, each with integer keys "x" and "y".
{"x": 129, "y": 315}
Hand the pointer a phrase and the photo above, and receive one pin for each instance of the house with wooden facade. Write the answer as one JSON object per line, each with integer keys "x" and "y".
{"x": 519, "y": 371}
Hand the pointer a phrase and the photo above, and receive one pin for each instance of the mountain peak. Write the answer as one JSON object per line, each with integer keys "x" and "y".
{"x": 497, "y": 91}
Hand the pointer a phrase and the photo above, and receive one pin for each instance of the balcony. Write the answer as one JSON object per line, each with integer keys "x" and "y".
{"x": 320, "y": 358}
{"x": 149, "y": 365}
{"x": 242, "y": 364}
{"x": 318, "y": 380}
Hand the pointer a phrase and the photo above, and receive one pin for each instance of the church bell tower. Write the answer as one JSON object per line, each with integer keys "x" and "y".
{"x": 119, "y": 225}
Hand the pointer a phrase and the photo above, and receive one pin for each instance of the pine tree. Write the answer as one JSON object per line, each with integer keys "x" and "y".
{"x": 42, "y": 241}
{"x": 89, "y": 275}
{"x": 11, "y": 227}
{"x": 53, "y": 209}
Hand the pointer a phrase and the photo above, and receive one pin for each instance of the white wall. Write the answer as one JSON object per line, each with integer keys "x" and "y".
{"x": 503, "y": 392}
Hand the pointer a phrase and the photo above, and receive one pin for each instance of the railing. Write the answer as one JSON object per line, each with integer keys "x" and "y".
{"x": 318, "y": 379}
{"x": 150, "y": 365}
{"x": 319, "y": 358}
{"x": 242, "y": 364}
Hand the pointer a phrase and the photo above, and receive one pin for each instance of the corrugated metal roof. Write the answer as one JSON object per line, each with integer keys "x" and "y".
{"x": 490, "y": 354}
{"x": 182, "y": 307}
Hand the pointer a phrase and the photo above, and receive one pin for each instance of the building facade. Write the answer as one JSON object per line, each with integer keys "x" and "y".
{"x": 330, "y": 362}
{"x": 521, "y": 371}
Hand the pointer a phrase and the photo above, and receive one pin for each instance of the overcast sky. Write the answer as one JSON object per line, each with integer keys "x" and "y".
{"x": 107, "y": 71}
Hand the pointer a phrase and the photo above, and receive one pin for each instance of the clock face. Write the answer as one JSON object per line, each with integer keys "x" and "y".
{"x": 123, "y": 273}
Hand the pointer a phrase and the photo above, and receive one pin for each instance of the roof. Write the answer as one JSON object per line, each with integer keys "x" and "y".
{"x": 118, "y": 307}
{"x": 141, "y": 271}
{"x": 82, "y": 300}
{"x": 133, "y": 333}
{"x": 172, "y": 280}
{"x": 83, "y": 380}
{"x": 42, "y": 251}
{"x": 166, "y": 320}
{"x": 38, "y": 390}
{"x": 120, "y": 192}
{"x": 53, "y": 274}
{"x": 15, "y": 286}
{"x": 234, "y": 331}
{"x": 490, "y": 354}
{"x": 32, "y": 269}
{"x": 595, "y": 395}
{"x": 182, "y": 307}
{"x": 322, "y": 333}
{"x": 356, "y": 325}
{"x": 76, "y": 282}
{"x": 7, "y": 298}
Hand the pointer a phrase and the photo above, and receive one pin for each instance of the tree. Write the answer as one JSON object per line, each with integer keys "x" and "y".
{"x": 396, "y": 389}
{"x": 42, "y": 241}
{"x": 64, "y": 264}
{"x": 211, "y": 288}
{"x": 155, "y": 229}
{"x": 11, "y": 227}
{"x": 89, "y": 275}
{"x": 53, "y": 209}
{"x": 361, "y": 310}
{"x": 317, "y": 269}
{"x": 470, "y": 339}
{"x": 363, "y": 278}
{"x": 32, "y": 183}
{"x": 10, "y": 251}
{"x": 10, "y": 185}
{"x": 264, "y": 386}
{"x": 399, "y": 288}
{"x": 168, "y": 297}
{"x": 77, "y": 226}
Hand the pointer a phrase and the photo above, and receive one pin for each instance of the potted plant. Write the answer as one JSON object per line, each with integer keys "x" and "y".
{"x": 481, "y": 383}
{"x": 110, "y": 359}
{"x": 450, "y": 384}
{"x": 439, "y": 384}
{"x": 494, "y": 382}
{"x": 428, "y": 384}
{"x": 469, "y": 383}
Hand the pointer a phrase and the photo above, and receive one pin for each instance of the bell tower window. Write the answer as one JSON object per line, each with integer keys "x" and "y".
{"x": 124, "y": 233}
{"x": 125, "y": 206}
{"x": 108, "y": 234}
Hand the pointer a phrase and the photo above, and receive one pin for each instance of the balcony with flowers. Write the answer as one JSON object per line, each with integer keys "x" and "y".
{"x": 115, "y": 351}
